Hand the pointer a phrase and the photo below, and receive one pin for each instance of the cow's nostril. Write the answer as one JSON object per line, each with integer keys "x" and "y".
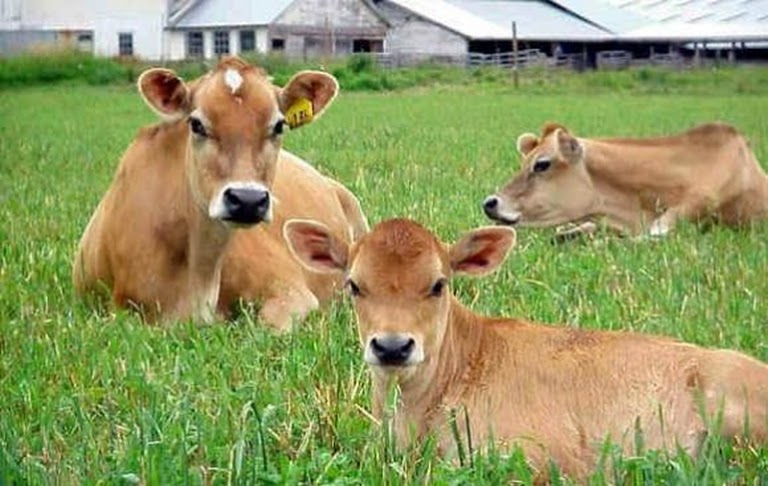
{"x": 491, "y": 203}
{"x": 231, "y": 200}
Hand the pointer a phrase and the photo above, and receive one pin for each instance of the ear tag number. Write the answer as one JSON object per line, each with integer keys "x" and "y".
{"x": 300, "y": 113}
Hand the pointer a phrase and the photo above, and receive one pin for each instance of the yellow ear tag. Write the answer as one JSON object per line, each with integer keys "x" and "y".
{"x": 300, "y": 113}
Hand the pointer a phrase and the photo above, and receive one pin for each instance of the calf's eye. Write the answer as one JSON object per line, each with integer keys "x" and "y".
{"x": 542, "y": 165}
{"x": 197, "y": 126}
{"x": 437, "y": 288}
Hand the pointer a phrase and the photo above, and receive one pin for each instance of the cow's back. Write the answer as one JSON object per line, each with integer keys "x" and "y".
{"x": 258, "y": 265}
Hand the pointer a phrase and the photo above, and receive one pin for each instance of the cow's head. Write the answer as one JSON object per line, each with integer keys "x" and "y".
{"x": 398, "y": 277}
{"x": 235, "y": 122}
{"x": 553, "y": 186}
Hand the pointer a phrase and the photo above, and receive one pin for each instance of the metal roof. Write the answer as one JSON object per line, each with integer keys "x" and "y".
{"x": 676, "y": 19}
{"x": 223, "y": 13}
{"x": 604, "y": 14}
{"x": 535, "y": 20}
{"x": 454, "y": 18}
{"x": 694, "y": 11}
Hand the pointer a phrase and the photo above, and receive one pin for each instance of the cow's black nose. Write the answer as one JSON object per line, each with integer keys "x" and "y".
{"x": 246, "y": 205}
{"x": 490, "y": 205}
{"x": 392, "y": 350}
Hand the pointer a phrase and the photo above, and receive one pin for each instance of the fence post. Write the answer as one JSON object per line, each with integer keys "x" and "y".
{"x": 515, "y": 78}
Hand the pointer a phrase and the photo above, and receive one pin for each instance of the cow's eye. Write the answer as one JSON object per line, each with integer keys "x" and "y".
{"x": 197, "y": 126}
{"x": 542, "y": 165}
{"x": 354, "y": 290}
{"x": 279, "y": 128}
{"x": 437, "y": 288}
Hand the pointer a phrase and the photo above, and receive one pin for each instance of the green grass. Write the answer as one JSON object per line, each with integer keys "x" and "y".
{"x": 95, "y": 396}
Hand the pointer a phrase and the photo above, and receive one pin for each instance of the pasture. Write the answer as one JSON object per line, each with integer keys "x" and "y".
{"x": 94, "y": 396}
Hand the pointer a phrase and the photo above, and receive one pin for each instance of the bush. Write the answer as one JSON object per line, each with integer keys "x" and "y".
{"x": 61, "y": 66}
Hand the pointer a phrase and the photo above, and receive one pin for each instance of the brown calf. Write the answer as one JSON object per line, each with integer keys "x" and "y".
{"x": 706, "y": 173}
{"x": 157, "y": 238}
{"x": 557, "y": 392}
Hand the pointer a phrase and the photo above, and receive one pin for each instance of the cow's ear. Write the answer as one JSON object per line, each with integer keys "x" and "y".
{"x": 165, "y": 93}
{"x": 313, "y": 245}
{"x": 306, "y": 96}
{"x": 481, "y": 251}
{"x": 526, "y": 142}
{"x": 569, "y": 146}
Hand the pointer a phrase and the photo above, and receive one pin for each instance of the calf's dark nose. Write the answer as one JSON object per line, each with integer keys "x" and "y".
{"x": 490, "y": 205}
{"x": 246, "y": 205}
{"x": 392, "y": 350}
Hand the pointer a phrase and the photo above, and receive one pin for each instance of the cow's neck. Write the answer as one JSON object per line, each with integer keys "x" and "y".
{"x": 206, "y": 242}
{"x": 439, "y": 381}
{"x": 616, "y": 200}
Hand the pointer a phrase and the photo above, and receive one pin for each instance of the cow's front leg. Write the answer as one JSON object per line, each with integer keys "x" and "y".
{"x": 563, "y": 235}
{"x": 289, "y": 305}
{"x": 690, "y": 209}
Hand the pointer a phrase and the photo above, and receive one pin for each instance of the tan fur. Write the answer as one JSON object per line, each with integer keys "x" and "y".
{"x": 152, "y": 243}
{"x": 557, "y": 392}
{"x": 634, "y": 185}
{"x": 258, "y": 267}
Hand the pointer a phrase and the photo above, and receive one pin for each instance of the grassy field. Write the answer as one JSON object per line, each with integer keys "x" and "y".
{"x": 95, "y": 396}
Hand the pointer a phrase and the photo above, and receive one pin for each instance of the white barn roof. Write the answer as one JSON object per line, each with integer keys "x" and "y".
{"x": 454, "y": 18}
{"x": 228, "y": 13}
{"x": 661, "y": 20}
{"x": 535, "y": 20}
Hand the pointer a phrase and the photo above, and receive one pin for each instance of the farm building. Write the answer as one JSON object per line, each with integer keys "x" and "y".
{"x": 445, "y": 29}
{"x": 405, "y": 30}
{"x": 297, "y": 28}
{"x": 178, "y": 29}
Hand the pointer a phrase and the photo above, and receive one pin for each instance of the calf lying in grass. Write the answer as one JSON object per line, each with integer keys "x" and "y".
{"x": 556, "y": 392}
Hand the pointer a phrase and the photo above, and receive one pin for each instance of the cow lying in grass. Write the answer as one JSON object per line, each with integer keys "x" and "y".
{"x": 634, "y": 185}
{"x": 556, "y": 392}
{"x": 160, "y": 239}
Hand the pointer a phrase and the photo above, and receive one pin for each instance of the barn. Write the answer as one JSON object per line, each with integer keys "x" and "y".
{"x": 295, "y": 28}
{"x": 576, "y": 31}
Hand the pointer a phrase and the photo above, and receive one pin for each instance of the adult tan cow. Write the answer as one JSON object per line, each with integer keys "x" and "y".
{"x": 158, "y": 237}
{"x": 708, "y": 173}
{"x": 557, "y": 392}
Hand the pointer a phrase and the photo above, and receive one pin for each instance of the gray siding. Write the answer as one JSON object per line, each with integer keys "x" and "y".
{"x": 411, "y": 34}
{"x": 315, "y": 28}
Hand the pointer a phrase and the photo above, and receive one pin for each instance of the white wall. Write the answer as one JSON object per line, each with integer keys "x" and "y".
{"x": 106, "y": 18}
{"x": 176, "y": 43}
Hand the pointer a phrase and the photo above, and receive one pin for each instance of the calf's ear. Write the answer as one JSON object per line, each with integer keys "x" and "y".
{"x": 569, "y": 146}
{"x": 313, "y": 245}
{"x": 481, "y": 251}
{"x": 306, "y": 96}
{"x": 526, "y": 142}
{"x": 165, "y": 93}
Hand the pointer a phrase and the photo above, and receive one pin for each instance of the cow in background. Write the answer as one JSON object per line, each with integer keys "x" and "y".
{"x": 634, "y": 185}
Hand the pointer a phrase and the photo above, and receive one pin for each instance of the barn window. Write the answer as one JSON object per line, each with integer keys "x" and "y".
{"x": 278, "y": 44}
{"x": 125, "y": 44}
{"x": 220, "y": 42}
{"x": 195, "y": 44}
{"x": 247, "y": 41}
{"x": 361, "y": 45}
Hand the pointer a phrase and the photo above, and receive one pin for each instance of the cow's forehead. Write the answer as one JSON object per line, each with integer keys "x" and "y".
{"x": 399, "y": 250}
{"x": 236, "y": 89}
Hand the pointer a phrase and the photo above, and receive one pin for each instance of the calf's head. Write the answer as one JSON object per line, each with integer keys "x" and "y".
{"x": 235, "y": 121}
{"x": 397, "y": 276}
{"x": 552, "y": 187}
